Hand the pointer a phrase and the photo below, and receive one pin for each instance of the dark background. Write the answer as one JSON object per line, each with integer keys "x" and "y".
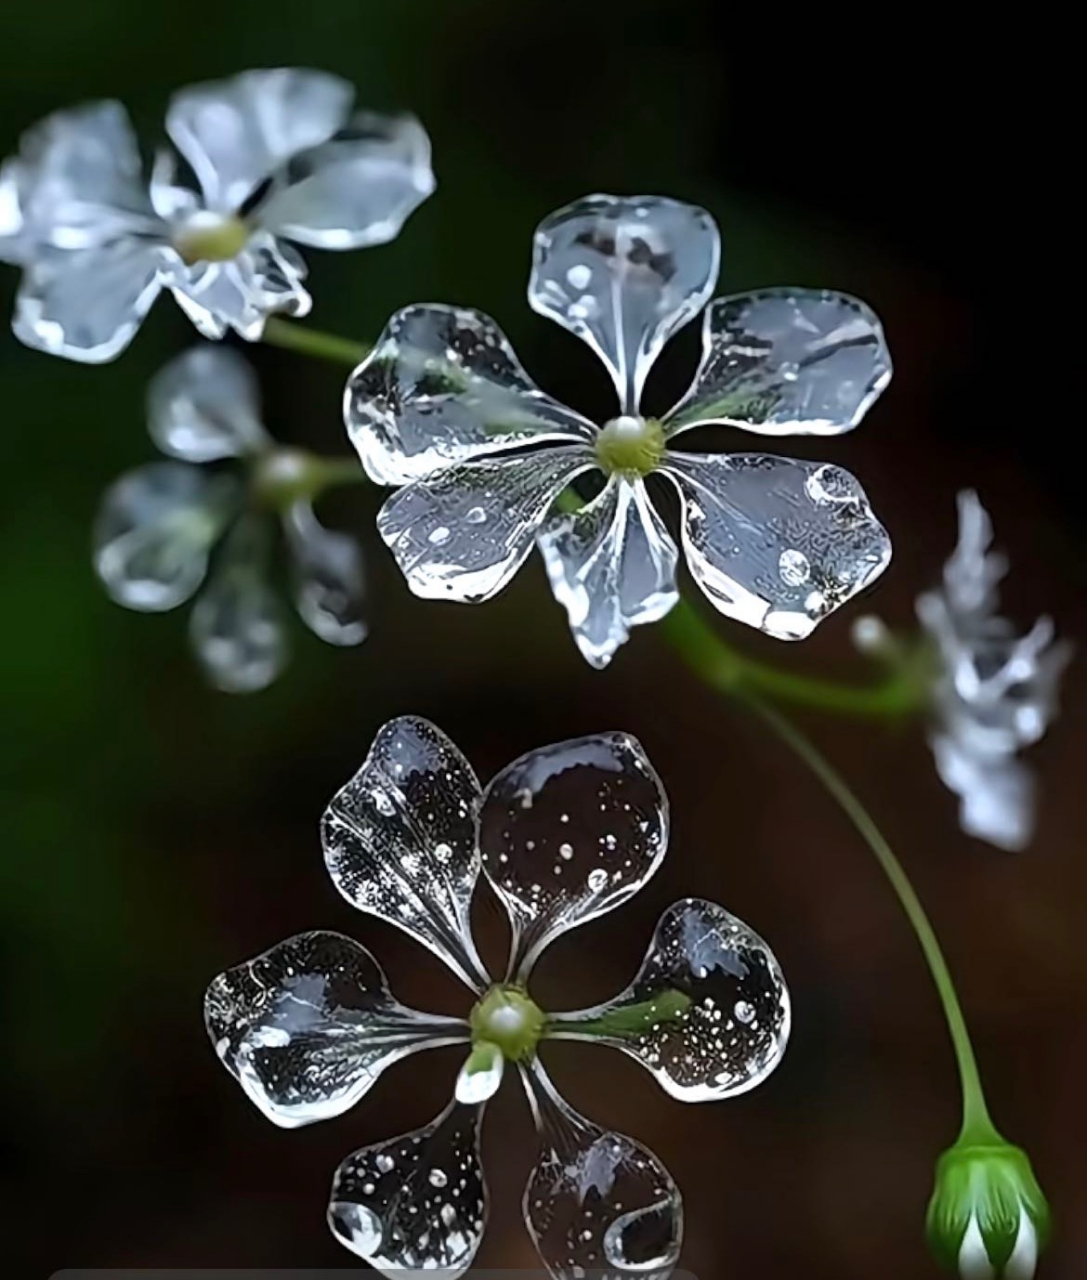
{"x": 155, "y": 832}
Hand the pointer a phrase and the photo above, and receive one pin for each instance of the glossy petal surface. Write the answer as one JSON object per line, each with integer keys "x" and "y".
{"x": 237, "y": 627}
{"x": 400, "y": 840}
{"x": 205, "y": 405}
{"x": 568, "y": 833}
{"x": 357, "y": 189}
{"x": 776, "y": 543}
{"x": 597, "y": 1203}
{"x": 787, "y": 362}
{"x": 327, "y": 577}
{"x": 708, "y": 1014}
{"x": 86, "y": 305}
{"x": 417, "y": 1203}
{"x": 612, "y": 566}
{"x": 154, "y": 530}
{"x": 441, "y": 386}
{"x": 235, "y": 133}
{"x": 997, "y": 792}
{"x": 307, "y": 1027}
{"x": 624, "y": 273}
{"x": 463, "y": 533}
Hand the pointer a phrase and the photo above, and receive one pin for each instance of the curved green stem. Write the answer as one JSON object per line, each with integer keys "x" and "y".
{"x": 314, "y": 342}
{"x": 338, "y": 471}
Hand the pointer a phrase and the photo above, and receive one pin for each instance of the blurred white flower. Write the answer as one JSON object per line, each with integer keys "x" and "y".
{"x": 772, "y": 542}
{"x": 275, "y": 156}
{"x": 563, "y": 835}
{"x": 158, "y": 526}
{"x": 996, "y": 691}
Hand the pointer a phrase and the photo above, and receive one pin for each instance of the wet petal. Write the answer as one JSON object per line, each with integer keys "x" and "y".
{"x": 462, "y": 534}
{"x": 708, "y": 1014}
{"x": 87, "y": 305}
{"x": 776, "y": 543}
{"x": 787, "y": 362}
{"x": 154, "y": 530}
{"x": 568, "y": 833}
{"x": 235, "y": 133}
{"x": 205, "y": 405}
{"x": 481, "y": 1075}
{"x": 265, "y": 279}
{"x": 356, "y": 189}
{"x": 997, "y": 793}
{"x": 597, "y": 1202}
{"x": 328, "y": 577}
{"x": 443, "y": 385}
{"x": 612, "y": 566}
{"x": 400, "y": 841}
{"x": 624, "y": 273}
{"x": 415, "y": 1203}
{"x": 237, "y": 626}
{"x": 307, "y": 1027}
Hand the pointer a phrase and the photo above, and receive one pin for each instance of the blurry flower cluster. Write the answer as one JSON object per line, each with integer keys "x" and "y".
{"x": 158, "y": 526}
{"x": 262, "y": 160}
{"x": 563, "y": 835}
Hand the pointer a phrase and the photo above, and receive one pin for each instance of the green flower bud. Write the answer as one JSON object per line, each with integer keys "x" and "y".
{"x": 987, "y": 1218}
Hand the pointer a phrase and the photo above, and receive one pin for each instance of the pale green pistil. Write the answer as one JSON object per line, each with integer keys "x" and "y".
{"x": 509, "y": 1019}
{"x": 210, "y": 237}
{"x": 630, "y": 445}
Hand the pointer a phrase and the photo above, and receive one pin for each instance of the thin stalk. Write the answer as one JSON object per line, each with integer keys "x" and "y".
{"x": 314, "y": 342}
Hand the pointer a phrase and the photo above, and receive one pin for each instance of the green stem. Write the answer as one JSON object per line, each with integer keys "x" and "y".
{"x": 337, "y": 471}
{"x": 314, "y": 342}
{"x": 634, "y": 1020}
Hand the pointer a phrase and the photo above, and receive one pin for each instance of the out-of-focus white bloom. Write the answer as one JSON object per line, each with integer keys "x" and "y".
{"x": 275, "y": 156}
{"x": 996, "y": 691}
{"x": 443, "y": 407}
{"x": 159, "y": 525}
{"x": 563, "y": 835}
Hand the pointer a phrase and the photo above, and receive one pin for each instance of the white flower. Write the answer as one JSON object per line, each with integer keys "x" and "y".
{"x": 443, "y": 407}
{"x": 276, "y": 155}
{"x": 563, "y": 835}
{"x": 996, "y": 691}
{"x": 158, "y": 526}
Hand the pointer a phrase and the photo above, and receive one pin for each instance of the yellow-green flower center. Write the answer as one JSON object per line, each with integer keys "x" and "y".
{"x": 631, "y": 445}
{"x": 510, "y": 1019}
{"x": 210, "y": 237}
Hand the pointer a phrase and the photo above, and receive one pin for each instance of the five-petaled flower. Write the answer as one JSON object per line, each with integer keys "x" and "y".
{"x": 995, "y": 692}
{"x": 442, "y": 407}
{"x": 276, "y": 155}
{"x": 158, "y": 525}
{"x": 563, "y": 835}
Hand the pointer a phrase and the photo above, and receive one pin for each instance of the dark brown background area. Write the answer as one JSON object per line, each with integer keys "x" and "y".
{"x": 155, "y": 832}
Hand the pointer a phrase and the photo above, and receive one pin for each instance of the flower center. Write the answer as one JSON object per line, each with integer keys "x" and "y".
{"x": 510, "y": 1019}
{"x": 630, "y": 444}
{"x": 210, "y": 237}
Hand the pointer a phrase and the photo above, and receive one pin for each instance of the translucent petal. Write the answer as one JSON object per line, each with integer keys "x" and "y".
{"x": 787, "y": 362}
{"x": 708, "y": 1014}
{"x": 443, "y": 385}
{"x": 481, "y": 1075}
{"x": 624, "y": 273}
{"x": 400, "y": 841}
{"x": 307, "y": 1027}
{"x": 154, "y": 529}
{"x": 86, "y": 305}
{"x": 76, "y": 183}
{"x": 612, "y": 566}
{"x": 997, "y": 794}
{"x": 236, "y": 132}
{"x": 357, "y": 189}
{"x": 264, "y": 279}
{"x": 205, "y": 405}
{"x": 417, "y": 1203}
{"x": 462, "y": 534}
{"x": 597, "y": 1203}
{"x": 328, "y": 577}
{"x": 237, "y": 626}
{"x": 568, "y": 833}
{"x": 776, "y": 543}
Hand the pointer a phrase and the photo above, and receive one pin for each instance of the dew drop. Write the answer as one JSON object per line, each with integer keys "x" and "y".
{"x": 438, "y": 1178}
{"x": 744, "y": 1012}
{"x": 579, "y": 276}
{"x": 439, "y": 535}
{"x": 474, "y": 515}
{"x": 598, "y": 878}
{"x": 358, "y": 1228}
{"x": 794, "y": 567}
{"x": 384, "y": 1163}
{"x": 566, "y": 851}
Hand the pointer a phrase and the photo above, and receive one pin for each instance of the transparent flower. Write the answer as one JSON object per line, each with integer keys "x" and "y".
{"x": 563, "y": 835}
{"x": 159, "y": 525}
{"x": 275, "y": 156}
{"x": 996, "y": 691}
{"x": 443, "y": 407}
